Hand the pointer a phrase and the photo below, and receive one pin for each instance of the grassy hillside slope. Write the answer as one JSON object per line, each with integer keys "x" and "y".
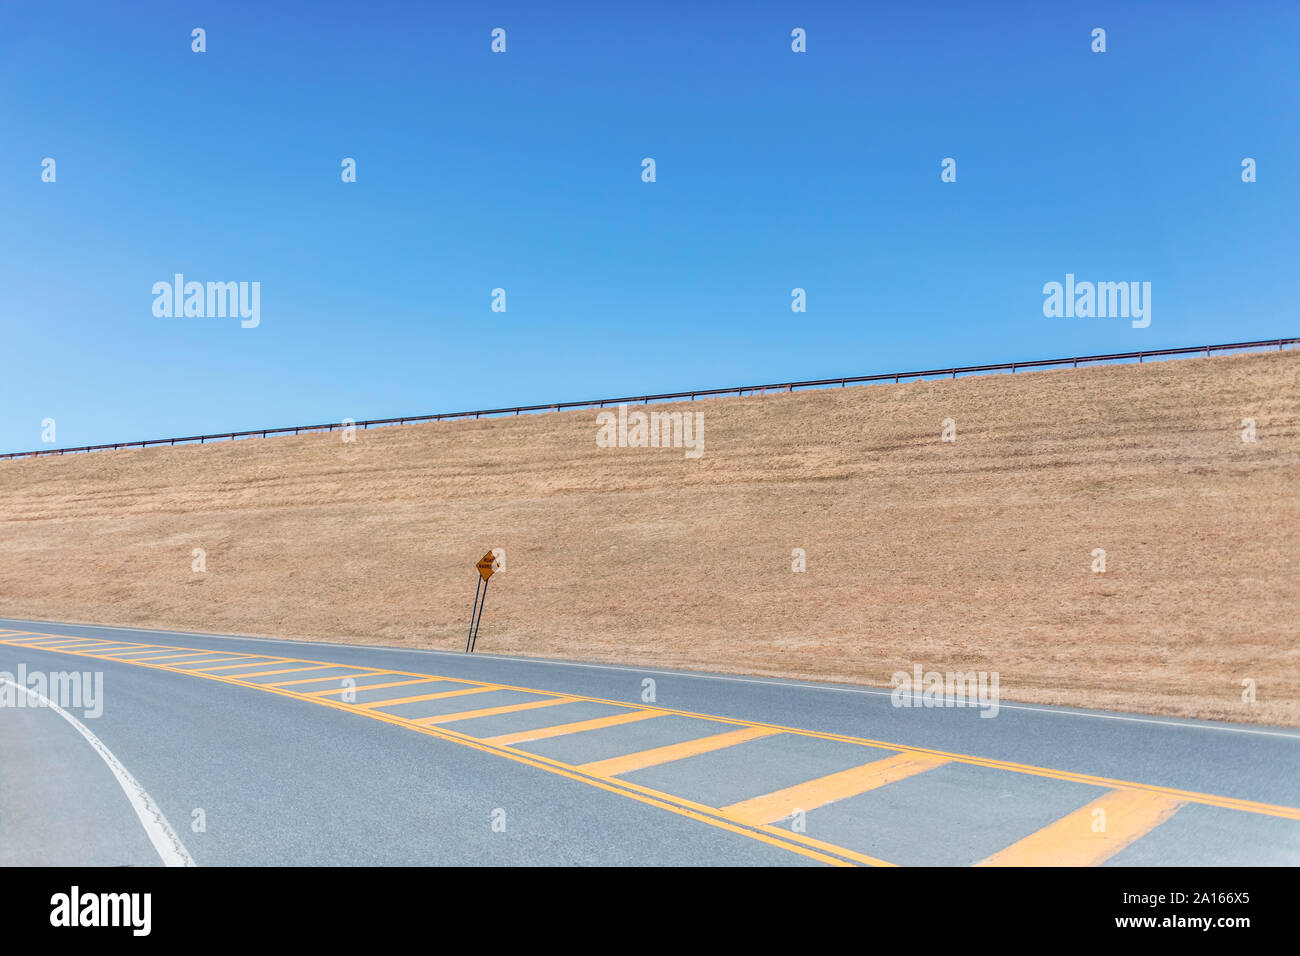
{"x": 973, "y": 555}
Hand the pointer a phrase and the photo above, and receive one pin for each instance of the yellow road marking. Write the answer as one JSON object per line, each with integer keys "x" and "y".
{"x": 38, "y": 640}
{"x": 105, "y": 645}
{"x": 395, "y": 683}
{"x": 1229, "y": 803}
{"x": 1072, "y": 841}
{"x": 290, "y": 670}
{"x": 162, "y": 647}
{"x": 577, "y": 727}
{"x": 135, "y": 646}
{"x": 206, "y": 660}
{"x": 96, "y": 649}
{"x": 136, "y": 654}
{"x": 252, "y": 663}
{"x": 170, "y": 655}
{"x": 775, "y": 832}
{"x": 410, "y": 700}
{"x": 690, "y": 748}
{"x": 491, "y": 711}
{"x": 60, "y": 647}
{"x": 812, "y": 794}
{"x": 833, "y": 856}
{"x": 317, "y": 680}
{"x": 828, "y": 847}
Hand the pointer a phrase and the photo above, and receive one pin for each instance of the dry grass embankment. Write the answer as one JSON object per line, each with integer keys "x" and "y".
{"x": 972, "y": 555}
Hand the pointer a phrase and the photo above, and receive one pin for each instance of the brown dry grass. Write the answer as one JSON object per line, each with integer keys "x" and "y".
{"x": 970, "y": 556}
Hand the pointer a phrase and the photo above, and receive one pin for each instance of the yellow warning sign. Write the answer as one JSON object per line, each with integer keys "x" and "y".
{"x": 486, "y": 565}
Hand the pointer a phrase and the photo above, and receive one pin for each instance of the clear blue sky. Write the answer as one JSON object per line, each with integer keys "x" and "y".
{"x": 523, "y": 171}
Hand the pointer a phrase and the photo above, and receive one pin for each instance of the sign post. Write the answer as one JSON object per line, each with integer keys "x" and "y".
{"x": 477, "y": 586}
{"x": 485, "y": 568}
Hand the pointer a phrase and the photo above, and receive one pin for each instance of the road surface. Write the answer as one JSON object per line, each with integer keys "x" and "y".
{"x": 211, "y": 750}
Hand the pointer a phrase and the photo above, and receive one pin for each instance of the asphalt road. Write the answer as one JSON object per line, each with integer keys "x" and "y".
{"x": 235, "y": 751}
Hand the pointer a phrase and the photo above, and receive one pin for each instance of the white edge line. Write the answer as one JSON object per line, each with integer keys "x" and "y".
{"x": 159, "y": 831}
{"x": 1054, "y": 711}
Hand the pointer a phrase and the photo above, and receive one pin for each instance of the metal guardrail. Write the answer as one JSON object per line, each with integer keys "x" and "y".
{"x": 1013, "y": 367}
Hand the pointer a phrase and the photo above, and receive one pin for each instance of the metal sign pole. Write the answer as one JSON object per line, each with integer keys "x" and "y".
{"x": 480, "y": 615}
{"x": 472, "y": 613}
